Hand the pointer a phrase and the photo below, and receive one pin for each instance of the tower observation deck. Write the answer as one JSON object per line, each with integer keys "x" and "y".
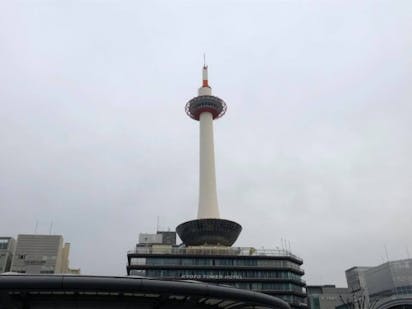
{"x": 208, "y": 228}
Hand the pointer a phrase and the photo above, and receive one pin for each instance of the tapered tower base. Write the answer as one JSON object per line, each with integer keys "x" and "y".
{"x": 213, "y": 232}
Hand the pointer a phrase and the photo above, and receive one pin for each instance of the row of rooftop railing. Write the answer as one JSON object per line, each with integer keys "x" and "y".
{"x": 205, "y": 250}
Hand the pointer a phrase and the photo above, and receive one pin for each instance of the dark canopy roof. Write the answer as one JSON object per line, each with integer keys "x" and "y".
{"x": 67, "y": 291}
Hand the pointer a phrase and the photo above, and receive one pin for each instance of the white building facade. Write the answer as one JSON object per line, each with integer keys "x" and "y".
{"x": 41, "y": 254}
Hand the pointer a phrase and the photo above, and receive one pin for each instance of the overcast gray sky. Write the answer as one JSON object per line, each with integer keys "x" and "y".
{"x": 315, "y": 146}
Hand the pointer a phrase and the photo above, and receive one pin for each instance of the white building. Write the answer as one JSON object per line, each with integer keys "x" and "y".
{"x": 41, "y": 254}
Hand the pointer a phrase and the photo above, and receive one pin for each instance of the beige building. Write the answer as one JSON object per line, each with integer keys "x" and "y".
{"x": 42, "y": 254}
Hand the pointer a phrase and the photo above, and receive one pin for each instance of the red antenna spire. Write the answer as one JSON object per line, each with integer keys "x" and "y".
{"x": 205, "y": 82}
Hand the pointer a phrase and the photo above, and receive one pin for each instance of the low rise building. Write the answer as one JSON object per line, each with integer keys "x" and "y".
{"x": 7, "y": 246}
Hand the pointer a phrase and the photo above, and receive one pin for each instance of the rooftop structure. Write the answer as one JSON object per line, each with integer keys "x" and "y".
{"x": 161, "y": 237}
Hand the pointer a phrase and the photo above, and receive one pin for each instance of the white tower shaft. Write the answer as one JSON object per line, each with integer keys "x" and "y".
{"x": 208, "y": 229}
{"x": 208, "y": 206}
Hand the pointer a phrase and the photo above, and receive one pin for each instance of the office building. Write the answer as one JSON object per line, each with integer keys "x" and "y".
{"x": 274, "y": 272}
{"x": 392, "y": 279}
{"x": 385, "y": 286}
{"x": 41, "y": 254}
{"x": 7, "y": 245}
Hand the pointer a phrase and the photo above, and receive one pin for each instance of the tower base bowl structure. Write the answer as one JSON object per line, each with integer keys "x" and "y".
{"x": 210, "y": 231}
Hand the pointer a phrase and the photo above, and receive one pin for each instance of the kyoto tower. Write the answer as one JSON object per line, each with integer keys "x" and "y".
{"x": 208, "y": 228}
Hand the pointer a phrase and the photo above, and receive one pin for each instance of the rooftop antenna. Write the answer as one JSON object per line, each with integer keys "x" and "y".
{"x": 386, "y": 253}
{"x": 51, "y": 228}
{"x": 204, "y": 59}
{"x": 35, "y": 227}
{"x": 157, "y": 224}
